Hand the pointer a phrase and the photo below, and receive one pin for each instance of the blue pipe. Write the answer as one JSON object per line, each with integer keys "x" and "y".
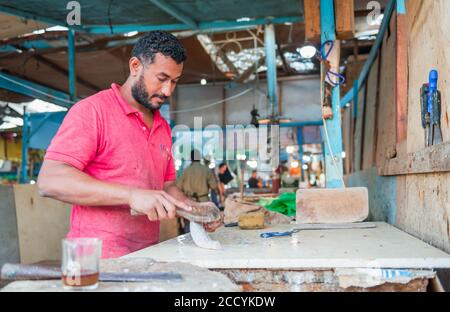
{"x": 271, "y": 63}
{"x": 71, "y": 56}
{"x": 25, "y": 141}
{"x": 373, "y": 52}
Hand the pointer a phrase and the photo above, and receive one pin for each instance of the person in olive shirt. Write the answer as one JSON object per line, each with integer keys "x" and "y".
{"x": 196, "y": 181}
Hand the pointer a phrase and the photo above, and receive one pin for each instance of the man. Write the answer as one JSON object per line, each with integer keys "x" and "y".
{"x": 224, "y": 178}
{"x": 254, "y": 182}
{"x": 197, "y": 180}
{"x": 113, "y": 153}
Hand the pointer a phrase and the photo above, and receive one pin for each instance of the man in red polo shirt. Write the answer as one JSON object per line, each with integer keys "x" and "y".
{"x": 114, "y": 151}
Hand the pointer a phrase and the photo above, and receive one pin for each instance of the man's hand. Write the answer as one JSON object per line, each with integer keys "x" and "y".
{"x": 211, "y": 227}
{"x": 157, "y": 205}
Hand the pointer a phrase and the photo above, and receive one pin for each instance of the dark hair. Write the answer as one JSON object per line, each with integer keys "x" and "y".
{"x": 159, "y": 42}
{"x": 195, "y": 155}
{"x": 222, "y": 165}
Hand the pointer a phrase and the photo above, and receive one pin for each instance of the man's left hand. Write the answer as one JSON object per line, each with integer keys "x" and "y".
{"x": 211, "y": 227}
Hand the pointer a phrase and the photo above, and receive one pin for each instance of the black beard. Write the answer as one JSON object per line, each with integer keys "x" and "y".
{"x": 141, "y": 96}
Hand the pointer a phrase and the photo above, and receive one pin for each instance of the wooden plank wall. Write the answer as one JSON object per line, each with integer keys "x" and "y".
{"x": 370, "y": 120}
{"x": 423, "y": 200}
{"x": 424, "y": 210}
{"x": 359, "y": 130}
{"x": 386, "y": 123}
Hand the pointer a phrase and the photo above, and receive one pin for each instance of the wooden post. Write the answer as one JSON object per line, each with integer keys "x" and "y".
{"x": 345, "y": 19}
{"x": 401, "y": 82}
{"x": 334, "y": 167}
{"x": 312, "y": 20}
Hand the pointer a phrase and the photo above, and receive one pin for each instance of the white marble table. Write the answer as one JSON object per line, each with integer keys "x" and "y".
{"x": 379, "y": 259}
{"x": 382, "y": 247}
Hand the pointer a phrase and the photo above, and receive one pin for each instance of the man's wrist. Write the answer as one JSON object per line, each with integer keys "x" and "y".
{"x": 129, "y": 193}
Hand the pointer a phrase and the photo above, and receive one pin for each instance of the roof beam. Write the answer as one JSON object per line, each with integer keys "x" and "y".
{"x": 252, "y": 69}
{"x": 205, "y": 26}
{"x": 34, "y": 90}
{"x": 59, "y": 69}
{"x": 174, "y": 12}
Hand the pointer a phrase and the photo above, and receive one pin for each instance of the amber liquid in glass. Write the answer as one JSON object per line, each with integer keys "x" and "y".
{"x": 87, "y": 278}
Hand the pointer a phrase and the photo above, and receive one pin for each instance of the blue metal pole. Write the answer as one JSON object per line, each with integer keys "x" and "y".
{"x": 375, "y": 48}
{"x": 271, "y": 63}
{"x": 355, "y": 99}
{"x": 72, "y": 73}
{"x": 25, "y": 141}
{"x": 334, "y": 169}
{"x": 300, "y": 143}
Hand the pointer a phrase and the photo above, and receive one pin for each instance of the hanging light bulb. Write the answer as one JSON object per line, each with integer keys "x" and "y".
{"x": 307, "y": 51}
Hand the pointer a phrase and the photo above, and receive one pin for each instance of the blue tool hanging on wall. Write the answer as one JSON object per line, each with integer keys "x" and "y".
{"x": 430, "y": 98}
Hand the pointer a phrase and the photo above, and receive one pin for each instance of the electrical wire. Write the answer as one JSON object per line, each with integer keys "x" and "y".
{"x": 323, "y": 55}
{"x": 212, "y": 104}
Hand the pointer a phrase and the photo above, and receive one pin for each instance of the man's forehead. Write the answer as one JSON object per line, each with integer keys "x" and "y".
{"x": 165, "y": 66}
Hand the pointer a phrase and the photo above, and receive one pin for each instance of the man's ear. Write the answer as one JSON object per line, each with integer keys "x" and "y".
{"x": 135, "y": 66}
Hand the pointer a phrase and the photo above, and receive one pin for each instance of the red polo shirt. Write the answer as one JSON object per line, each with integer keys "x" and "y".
{"x": 107, "y": 138}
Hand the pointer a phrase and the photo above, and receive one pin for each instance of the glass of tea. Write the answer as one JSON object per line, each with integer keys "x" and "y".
{"x": 80, "y": 263}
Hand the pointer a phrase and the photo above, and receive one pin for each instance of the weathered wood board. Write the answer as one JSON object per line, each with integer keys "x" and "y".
{"x": 42, "y": 223}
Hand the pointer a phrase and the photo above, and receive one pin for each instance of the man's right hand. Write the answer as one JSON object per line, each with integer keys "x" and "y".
{"x": 157, "y": 205}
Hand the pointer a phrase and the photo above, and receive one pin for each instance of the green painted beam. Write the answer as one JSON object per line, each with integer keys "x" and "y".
{"x": 34, "y": 90}
{"x": 205, "y": 26}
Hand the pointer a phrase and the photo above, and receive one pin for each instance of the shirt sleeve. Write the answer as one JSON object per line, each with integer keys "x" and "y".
{"x": 171, "y": 174}
{"x": 77, "y": 138}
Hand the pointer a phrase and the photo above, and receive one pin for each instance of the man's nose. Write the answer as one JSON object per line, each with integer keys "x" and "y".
{"x": 167, "y": 89}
